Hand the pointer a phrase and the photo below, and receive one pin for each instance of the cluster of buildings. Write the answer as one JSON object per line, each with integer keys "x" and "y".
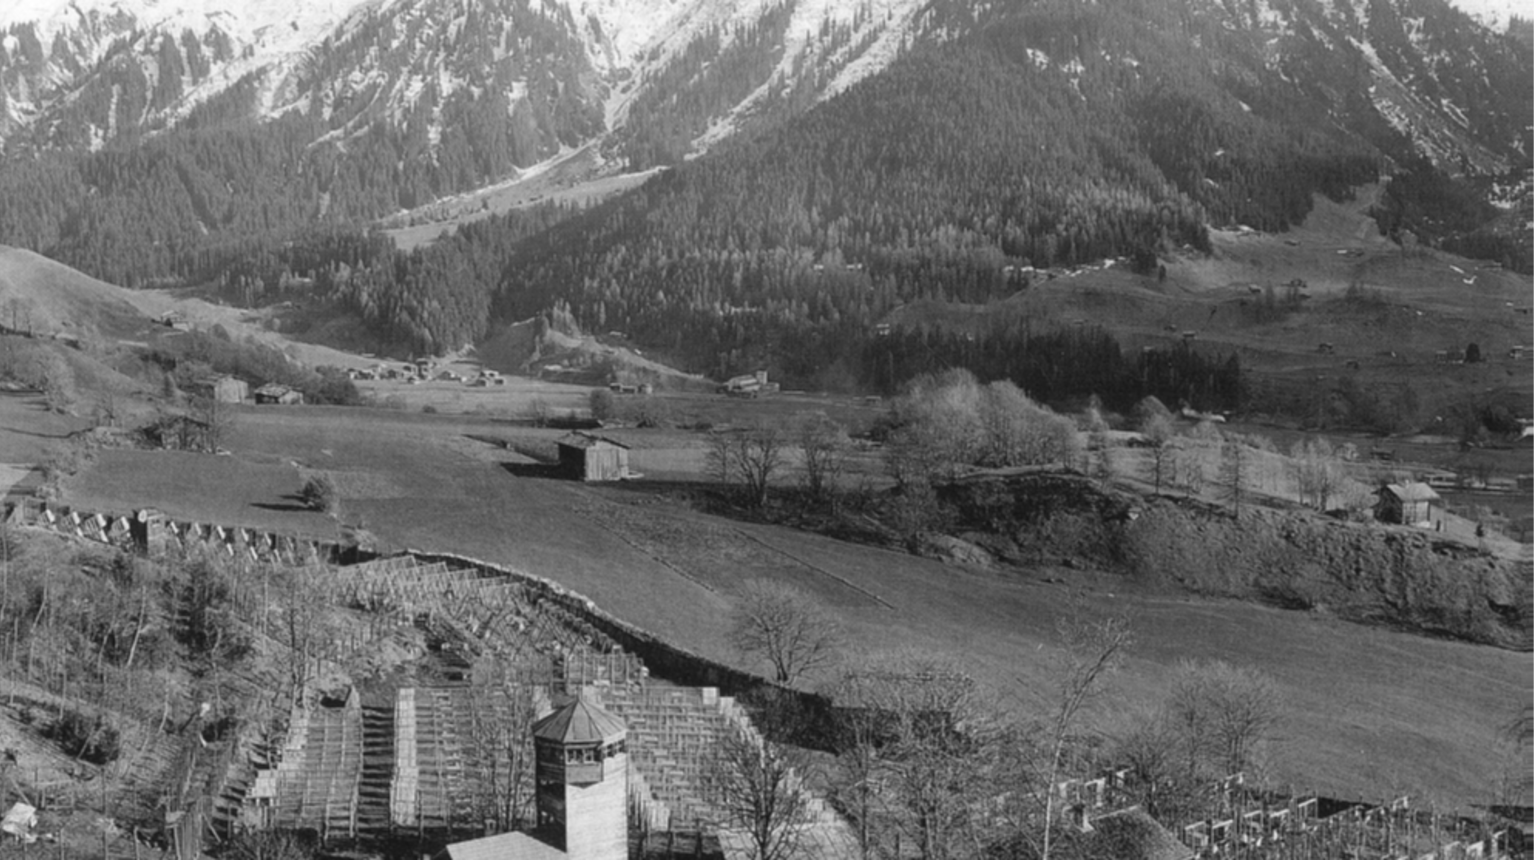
{"x": 224, "y": 388}
{"x": 423, "y": 370}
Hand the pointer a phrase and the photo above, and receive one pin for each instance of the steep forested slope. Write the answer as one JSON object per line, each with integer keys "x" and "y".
{"x": 1007, "y": 136}
{"x": 942, "y": 178}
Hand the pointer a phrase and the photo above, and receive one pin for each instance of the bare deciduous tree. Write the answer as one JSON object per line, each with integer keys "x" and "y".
{"x": 1152, "y": 750}
{"x": 759, "y": 790}
{"x": 1102, "y": 464}
{"x": 1226, "y": 711}
{"x": 539, "y": 412}
{"x": 1316, "y": 472}
{"x": 216, "y": 418}
{"x": 784, "y": 626}
{"x": 823, "y": 447}
{"x": 1158, "y": 434}
{"x": 1019, "y": 432}
{"x": 750, "y": 457}
{"x": 1091, "y": 649}
{"x": 1235, "y": 470}
{"x": 924, "y": 758}
{"x": 948, "y": 422}
{"x": 502, "y": 707}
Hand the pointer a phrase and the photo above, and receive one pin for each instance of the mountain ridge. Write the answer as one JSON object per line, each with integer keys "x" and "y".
{"x": 415, "y": 101}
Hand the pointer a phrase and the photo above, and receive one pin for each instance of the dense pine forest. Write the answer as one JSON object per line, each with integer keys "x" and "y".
{"x": 1047, "y": 135}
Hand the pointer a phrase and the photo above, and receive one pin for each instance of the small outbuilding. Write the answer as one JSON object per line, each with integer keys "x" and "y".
{"x": 226, "y": 389}
{"x": 1409, "y": 504}
{"x": 589, "y": 457}
{"x": 279, "y": 394}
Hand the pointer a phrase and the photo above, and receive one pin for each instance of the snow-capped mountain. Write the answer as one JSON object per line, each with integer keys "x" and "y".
{"x": 551, "y": 74}
{"x": 77, "y": 76}
{"x": 231, "y": 120}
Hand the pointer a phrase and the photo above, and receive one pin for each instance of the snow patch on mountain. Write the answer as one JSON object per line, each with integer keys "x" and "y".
{"x": 876, "y": 30}
{"x": 1440, "y": 135}
{"x": 1492, "y": 14}
{"x": 271, "y": 25}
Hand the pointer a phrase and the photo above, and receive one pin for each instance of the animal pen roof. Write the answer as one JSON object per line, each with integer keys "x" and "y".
{"x": 587, "y": 440}
{"x": 1134, "y": 835}
{"x": 1412, "y": 492}
{"x": 579, "y": 722}
{"x": 506, "y": 846}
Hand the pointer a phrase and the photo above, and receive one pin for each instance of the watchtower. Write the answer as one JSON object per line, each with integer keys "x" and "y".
{"x": 582, "y": 778}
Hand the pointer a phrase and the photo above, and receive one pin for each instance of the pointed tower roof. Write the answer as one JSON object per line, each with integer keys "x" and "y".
{"x": 579, "y": 722}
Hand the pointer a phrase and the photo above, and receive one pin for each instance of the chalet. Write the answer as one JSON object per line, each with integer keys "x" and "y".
{"x": 279, "y": 394}
{"x": 588, "y": 457}
{"x": 1409, "y": 504}
{"x": 749, "y": 385}
{"x": 225, "y": 389}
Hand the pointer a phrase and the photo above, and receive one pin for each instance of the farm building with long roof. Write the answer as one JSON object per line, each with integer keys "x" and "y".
{"x": 589, "y": 457}
{"x": 1410, "y": 503}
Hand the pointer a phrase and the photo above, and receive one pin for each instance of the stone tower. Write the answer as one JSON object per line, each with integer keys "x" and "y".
{"x": 582, "y": 778}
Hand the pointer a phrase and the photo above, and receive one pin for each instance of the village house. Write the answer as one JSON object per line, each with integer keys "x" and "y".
{"x": 279, "y": 394}
{"x": 225, "y": 389}
{"x": 588, "y": 457}
{"x": 1409, "y": 504}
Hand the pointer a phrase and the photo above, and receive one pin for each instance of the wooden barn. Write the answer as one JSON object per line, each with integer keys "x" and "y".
{"x": 588, "y": 457}
{"x": 280, "y": 394}
{"x": 1408, "y": 504}
{"x": 225, "y": 388}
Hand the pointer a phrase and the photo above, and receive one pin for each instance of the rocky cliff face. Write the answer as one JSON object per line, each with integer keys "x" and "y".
{"x": 1362, "y": 572}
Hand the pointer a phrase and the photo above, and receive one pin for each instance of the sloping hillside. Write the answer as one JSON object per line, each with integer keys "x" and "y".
{"x": 48, "y": 298}
{"x": 41, "y": 296}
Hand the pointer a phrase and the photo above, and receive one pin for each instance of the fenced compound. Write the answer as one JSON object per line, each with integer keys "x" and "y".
{"x": 494, "y": 612}
{"x": 314, "y": 783}
{"x": 411, "y": 762}
{"x": 422, "y": 766}
{"x": 433, "y": 760}
{"x": 675, "y": 737}
{"x": 1257, "y": 825}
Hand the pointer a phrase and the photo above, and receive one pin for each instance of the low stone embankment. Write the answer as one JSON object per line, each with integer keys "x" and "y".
{"x": 1360, "y": 571}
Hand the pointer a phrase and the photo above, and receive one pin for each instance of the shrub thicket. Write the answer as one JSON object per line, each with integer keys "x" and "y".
{"x": 91, "y": 739}
{"x": 319, "y": 493}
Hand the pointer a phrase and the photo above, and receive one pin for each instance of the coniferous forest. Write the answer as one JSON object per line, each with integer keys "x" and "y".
{"x": 1051, "y": 134}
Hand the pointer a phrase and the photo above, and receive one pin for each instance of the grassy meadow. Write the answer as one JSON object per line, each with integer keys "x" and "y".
{"x": 1368, "y": 711}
